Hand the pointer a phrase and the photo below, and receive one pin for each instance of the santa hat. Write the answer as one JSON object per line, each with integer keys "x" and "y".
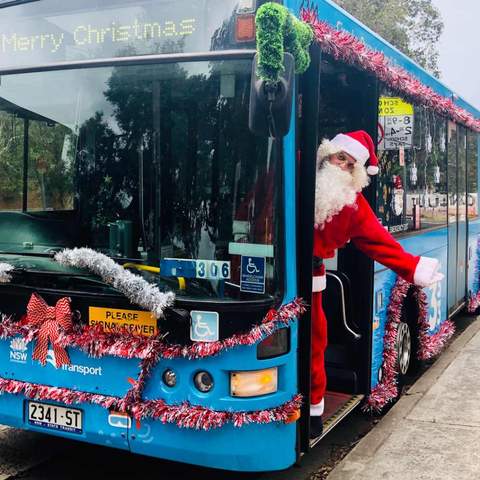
{"x": 358, "y": 144}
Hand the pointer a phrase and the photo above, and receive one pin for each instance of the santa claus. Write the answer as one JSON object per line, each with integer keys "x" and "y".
{"x": 341, "y": 215}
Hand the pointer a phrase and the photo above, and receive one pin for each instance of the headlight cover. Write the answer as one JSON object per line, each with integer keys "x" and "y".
{"x": 254, "y": 382}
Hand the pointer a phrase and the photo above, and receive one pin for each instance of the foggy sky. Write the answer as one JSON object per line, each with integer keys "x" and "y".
{"x": 459, "y": 48}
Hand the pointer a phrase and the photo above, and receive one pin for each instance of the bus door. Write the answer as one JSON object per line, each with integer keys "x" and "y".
{"x": 462, "y": 216}
{"x": 472, "y": 212}
{"x": 345, "y": 100}
{"x": 456, "y": 217}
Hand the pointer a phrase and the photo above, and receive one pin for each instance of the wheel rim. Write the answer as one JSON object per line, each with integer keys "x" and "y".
{"x": 404, "y": 347}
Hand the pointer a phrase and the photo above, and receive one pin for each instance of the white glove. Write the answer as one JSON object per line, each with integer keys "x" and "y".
{"x": 427, "y": 273}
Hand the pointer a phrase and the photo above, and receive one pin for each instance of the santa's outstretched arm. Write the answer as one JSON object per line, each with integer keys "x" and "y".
{"x": 373, "y": 239}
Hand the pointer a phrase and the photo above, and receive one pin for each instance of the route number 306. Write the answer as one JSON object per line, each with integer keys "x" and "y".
{"x": 213, "y": 270}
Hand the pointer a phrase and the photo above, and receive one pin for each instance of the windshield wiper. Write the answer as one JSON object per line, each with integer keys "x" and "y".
{"x": 22, "y": 271}
{"x": 12, "y": 3}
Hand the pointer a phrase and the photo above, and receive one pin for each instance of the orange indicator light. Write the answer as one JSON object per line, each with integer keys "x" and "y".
{"x": 293, "y": 417}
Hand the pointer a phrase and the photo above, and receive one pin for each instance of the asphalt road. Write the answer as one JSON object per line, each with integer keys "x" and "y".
{"x": 32, "y": 456}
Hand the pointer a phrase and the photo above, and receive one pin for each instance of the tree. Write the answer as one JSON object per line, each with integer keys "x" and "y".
{"x": 413, "y": 26}
{"x": 49, "y": 176}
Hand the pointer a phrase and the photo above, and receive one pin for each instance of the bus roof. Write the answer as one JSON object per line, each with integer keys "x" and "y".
{"x": 335, "y": 16}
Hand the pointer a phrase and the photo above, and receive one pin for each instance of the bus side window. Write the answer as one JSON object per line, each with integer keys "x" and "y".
{"x": 472, "y": 175}
{"x": 412, "y": 183}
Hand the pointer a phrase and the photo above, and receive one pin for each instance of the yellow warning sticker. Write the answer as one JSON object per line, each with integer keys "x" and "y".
{"x": 393, "y": 106}
{"x": 135, "y": 321}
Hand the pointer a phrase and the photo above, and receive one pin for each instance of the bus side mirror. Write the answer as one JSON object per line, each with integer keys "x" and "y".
{"x": 270, "y": 108}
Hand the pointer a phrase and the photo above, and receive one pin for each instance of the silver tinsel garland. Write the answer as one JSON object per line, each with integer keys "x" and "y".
{"x": 134, "y": 287}
{"x": 4, "y": 269}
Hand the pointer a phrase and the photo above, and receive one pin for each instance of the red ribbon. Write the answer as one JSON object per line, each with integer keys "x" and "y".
{"x": 49, "y": 319}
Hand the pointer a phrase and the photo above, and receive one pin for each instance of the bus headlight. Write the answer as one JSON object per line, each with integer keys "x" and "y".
{"x": 253, "y": 383}
{"x": 169, "y": 378}
{"x": 203, "y": 381}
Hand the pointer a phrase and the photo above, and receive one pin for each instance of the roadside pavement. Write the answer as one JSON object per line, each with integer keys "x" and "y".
{"x": 433, "y": 432}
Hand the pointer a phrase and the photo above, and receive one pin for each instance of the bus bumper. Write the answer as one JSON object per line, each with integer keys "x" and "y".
{"x": 253, "y": 447}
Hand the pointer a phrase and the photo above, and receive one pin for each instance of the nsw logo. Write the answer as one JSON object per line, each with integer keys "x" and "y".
{"x": 18, "y": 350}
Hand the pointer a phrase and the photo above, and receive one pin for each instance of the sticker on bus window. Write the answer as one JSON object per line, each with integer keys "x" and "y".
{"x": 252, "y": 274}
{"x": 254, "y": 249}
{"x": 395, "y": 123}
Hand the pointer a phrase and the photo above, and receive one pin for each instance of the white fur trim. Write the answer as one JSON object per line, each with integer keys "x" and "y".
{"x": 372, "y": 170}
{"x": 316, "y": 410}
{"x": 425, "y": 272}
{"x": 326, "y": 149}
{"x": 319, "y": 283}
{"x": 353, "y": 147}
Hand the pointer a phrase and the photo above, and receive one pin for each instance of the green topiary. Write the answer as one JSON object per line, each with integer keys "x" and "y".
{"x": 278, "y": 31}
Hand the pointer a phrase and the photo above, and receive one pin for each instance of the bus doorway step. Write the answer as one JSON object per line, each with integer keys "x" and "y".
{"x": 337, "y": 407}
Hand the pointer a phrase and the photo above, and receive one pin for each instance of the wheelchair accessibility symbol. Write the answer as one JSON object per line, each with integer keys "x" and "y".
{"x": 204, "y": 326}
{"x": 253, "y": 274}
{"x": 251, "y": 267}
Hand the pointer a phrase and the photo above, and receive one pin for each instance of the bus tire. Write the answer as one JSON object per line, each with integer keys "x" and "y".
{"x": 403, "y": 345}
{"x": 410, "y": 313}
{"x": 407, "y": 343}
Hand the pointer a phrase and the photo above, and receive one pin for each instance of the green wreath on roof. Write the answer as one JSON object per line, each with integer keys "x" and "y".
{"x": 279, "y": 31}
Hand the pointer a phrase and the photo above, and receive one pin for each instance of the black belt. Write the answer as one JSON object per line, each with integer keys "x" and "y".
{"x": 317, "y": 262}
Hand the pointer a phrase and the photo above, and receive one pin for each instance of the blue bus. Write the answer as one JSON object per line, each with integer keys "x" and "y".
{"x": 153, "y": 249}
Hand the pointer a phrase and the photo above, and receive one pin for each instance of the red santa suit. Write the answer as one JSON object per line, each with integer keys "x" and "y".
{"x": 354, "y": 221}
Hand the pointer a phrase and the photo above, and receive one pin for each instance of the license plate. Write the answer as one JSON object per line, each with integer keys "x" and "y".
{"x": 55, "y": 417}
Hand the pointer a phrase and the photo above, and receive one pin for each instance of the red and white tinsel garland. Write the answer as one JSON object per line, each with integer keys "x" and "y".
{"x": 429, "y": 345}
{"x": 474, "y": 298}
{"x": 473, "y": 302}
{"x": 348, "y": 48}
{"x": 96, "y": 342}
{"x": 183, "y": 415}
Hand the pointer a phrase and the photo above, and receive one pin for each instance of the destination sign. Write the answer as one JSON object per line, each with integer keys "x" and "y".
{"x": 89, "y": 34}
{"x": 52, "y": 31}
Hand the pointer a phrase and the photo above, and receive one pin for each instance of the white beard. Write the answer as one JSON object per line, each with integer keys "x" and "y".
{"x": 336, "y": 188}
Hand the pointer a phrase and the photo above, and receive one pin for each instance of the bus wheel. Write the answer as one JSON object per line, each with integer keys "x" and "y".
{"x": 403, "y": 344}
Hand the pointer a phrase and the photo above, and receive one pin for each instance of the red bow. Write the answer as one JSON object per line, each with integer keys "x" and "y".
{"x": 49, "y": 319}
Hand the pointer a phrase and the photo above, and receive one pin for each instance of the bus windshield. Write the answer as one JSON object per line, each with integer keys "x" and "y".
{"x": 150, "y": 164}
{"x": 51, "y": 31}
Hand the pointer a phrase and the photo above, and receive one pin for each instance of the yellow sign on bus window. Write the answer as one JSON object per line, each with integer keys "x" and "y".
{"x": 135, "y": 321}
{"x": 393, "y": 106}
{"x": 395, "y": 124}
